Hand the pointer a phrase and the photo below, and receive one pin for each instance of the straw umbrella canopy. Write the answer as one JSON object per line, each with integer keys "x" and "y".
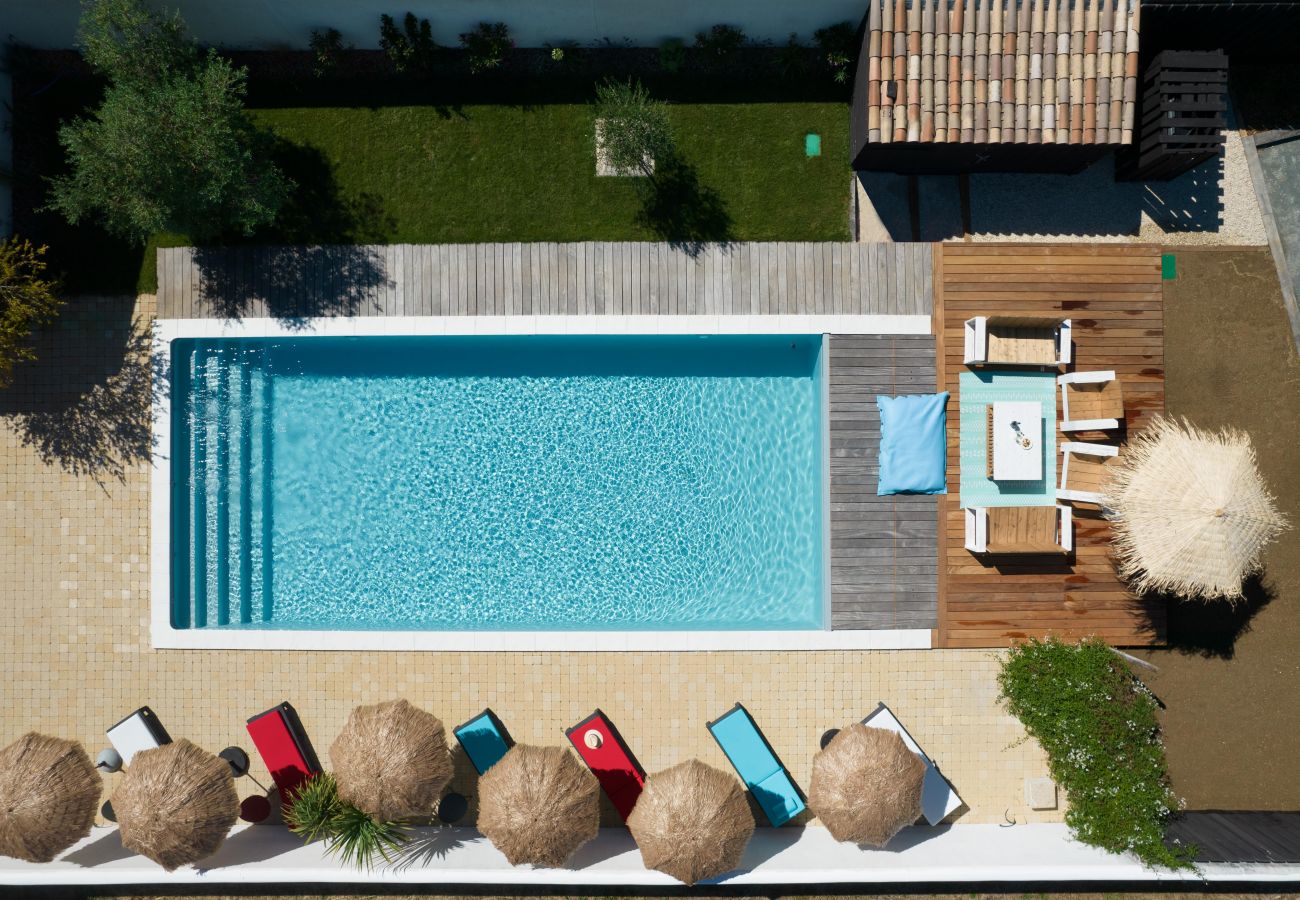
{"x": 49, "y": 789}
{"x": 538, "y": 805}
{"x": 176, "y": 804}
{"x": 1191, "y": 513}
{"x": 692, "y": 822}
{"x": 866, "y": 785}
{"x": 391, "y": 760}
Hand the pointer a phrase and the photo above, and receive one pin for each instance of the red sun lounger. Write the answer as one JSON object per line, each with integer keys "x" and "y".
{"x": 278, "y": 735}
{"x": 620, "y": 775}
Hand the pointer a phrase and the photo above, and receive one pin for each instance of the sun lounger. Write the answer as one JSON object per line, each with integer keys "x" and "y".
{"x": 620, "y": 775}
{"x": 938, "y": 799}
{"x": 139, "y": 731}
{"x": 279, "y": 737}
{"x": 757, "y": 765}
{"x": 485, "y": 740}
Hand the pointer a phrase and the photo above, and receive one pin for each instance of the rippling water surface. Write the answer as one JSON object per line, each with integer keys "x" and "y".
{"x": 528, "y": 483}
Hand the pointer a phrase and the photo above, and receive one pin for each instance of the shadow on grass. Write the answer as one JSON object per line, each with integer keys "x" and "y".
{"x": 317, "y": 262}
{"x": 1211, "y": 629}
{"x": 85, "y": 403}
{"x": 678, "y": 209}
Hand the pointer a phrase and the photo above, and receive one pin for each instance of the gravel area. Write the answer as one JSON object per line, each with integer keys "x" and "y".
{"x": 1213, "y": 205}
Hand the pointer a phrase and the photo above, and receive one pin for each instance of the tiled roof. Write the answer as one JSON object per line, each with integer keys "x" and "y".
{"x": 1002, "y": 71}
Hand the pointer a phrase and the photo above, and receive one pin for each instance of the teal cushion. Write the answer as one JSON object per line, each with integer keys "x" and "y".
{"x": 483, "y": 743}
{"x": 913, "y": 444}
{"x": 779, "y": 798}
{"x": 739, "y": 738}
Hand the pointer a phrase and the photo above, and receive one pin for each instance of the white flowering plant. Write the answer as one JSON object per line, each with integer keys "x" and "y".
{"x": 1098, "y": 724}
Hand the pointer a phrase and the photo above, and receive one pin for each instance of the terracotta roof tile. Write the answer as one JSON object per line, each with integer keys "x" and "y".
{"x": 997, "y": 71}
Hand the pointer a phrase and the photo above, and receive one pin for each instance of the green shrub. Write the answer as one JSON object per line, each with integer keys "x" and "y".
{"x": 28, "y": 299}
{"x": 1098, "y": 725}
{"x": 326, "y": 47}
{"x": 316, "y": 812}
{"x": 672, "y": 55}
{"x": 314, "y": 808}
{"x": 720, "y": 40}
{"x": 792, "y": 59}
{"x": 838, "y": 44}
{"x": 170, "y": 148}
{"x": 358, "y": 838}
{"x": 486, "y": 45}
{"x": 565, "y": 53}
{"x": 410, "y": 48}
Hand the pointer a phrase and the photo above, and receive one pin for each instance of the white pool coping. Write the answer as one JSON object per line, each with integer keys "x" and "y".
{"x": 164, "y": 636}
{"x": 947, "y": 855}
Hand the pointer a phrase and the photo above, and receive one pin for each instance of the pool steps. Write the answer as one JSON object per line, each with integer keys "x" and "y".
{"x": 229, "y": 439}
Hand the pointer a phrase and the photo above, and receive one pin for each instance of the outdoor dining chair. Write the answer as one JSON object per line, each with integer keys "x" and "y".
{"x": 1083, "y": 471}
{"x": 1091, "y": 401}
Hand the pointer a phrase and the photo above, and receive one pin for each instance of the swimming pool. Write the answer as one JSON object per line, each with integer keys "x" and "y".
{"x": 531, "y": 483}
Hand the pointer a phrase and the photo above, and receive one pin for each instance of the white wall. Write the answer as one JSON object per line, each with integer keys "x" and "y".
{"x": 278, "y": 23}
{"x": 956, "y": 855}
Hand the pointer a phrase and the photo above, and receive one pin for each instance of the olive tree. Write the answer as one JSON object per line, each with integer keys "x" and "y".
{"x": 171, "y": 147}
{"x": 632, "y": 127}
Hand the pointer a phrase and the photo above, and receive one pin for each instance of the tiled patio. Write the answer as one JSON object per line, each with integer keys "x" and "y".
{"x": 75, "y": 651}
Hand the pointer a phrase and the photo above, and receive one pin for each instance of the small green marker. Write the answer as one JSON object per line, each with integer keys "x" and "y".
{"x": 812, "y": 145}
{"x": 1168, "y": 266}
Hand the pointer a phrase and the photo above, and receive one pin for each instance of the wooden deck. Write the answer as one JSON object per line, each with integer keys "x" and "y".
{"x": 545, "y": 279}
{"x": 1113, "y": 295}
{"x": 884, "y": 550}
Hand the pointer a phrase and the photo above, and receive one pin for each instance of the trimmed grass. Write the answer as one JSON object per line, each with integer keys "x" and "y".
{"x": 501, "y": 157}
{"x": 503, "y": 173}
{"x": 422, "y": 174}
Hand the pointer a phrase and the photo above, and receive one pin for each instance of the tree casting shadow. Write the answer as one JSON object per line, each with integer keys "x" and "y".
{"x": 318, "y": 262}
{"x": 85, "y": 403}
{"x": 678, "y": 209}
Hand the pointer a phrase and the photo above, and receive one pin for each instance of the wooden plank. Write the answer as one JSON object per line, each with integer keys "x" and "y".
{"x": 884, "y": 571}
{"x": 1113, "y": 294}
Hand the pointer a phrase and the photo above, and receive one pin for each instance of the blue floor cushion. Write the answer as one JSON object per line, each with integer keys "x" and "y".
{"x": 913, "y": 444}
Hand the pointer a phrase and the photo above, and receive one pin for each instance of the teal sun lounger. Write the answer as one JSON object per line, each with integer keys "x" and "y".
{"x": 485, "y": 740}
{"x": 757, "y": 765}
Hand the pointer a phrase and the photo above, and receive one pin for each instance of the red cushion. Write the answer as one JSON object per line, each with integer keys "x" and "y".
{"x": 620, "y": 777}
{"x": 281, "y": 753}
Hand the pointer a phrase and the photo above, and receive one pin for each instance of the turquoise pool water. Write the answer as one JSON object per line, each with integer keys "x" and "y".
{"x": 498, "y": 483}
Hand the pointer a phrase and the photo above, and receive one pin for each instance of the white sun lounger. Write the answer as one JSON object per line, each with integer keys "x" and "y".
{"x": 938, "y": 799}
{"x": 139, "y": 731}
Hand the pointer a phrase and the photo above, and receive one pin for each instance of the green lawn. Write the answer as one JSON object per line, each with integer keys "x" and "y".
{"x": 418, "y": 174}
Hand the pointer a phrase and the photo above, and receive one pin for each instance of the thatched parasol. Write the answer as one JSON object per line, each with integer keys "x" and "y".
{"x": 49, "y": 790}
{"x": 1190, "y": 511}
{"x": 866, "y": 785}
{"x": 538, "y": 805}
{"x": 692, "y": 822}
{"x": 391, "y": 761}
{"x": 176, "y": 804}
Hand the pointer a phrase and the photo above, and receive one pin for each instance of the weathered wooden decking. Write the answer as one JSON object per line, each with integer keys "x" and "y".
{"x": 1239, "y": 837}
{"x": 884, "y": 550}
{"x": 1113, "y": 295}
{"x": 545, "y": 279}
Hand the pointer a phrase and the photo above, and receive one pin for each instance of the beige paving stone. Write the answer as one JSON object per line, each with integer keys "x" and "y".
{"x": 75, "y": 653}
